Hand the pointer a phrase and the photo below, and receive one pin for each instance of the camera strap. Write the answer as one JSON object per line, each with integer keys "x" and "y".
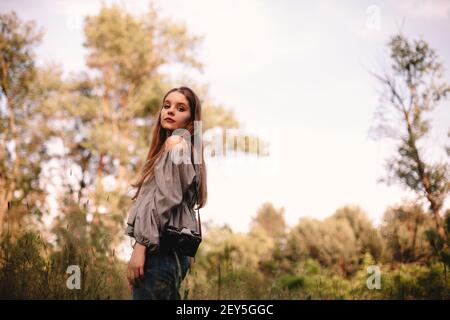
{"x": 198, "y": 210}
{"x": 199, "y": 222}
{"x": 197, "y": 184}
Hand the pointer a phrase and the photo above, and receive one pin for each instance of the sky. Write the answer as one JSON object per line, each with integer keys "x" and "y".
{"x": 297, "y": 74}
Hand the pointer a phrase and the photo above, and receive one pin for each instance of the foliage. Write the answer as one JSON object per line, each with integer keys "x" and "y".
{"x": 405, "y": 229}
{"x": 31, "y": 268}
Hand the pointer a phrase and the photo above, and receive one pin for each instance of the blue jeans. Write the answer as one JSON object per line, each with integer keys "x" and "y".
{"x": 163, "y": 274}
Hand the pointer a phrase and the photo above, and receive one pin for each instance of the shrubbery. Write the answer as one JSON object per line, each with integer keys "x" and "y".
{"x": 31, "y": 268}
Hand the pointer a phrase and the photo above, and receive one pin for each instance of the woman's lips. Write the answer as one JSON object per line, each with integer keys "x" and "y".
{"x": 170, "y": 120}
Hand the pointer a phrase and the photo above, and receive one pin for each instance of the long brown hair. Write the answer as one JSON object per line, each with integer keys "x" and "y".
{"x": 159, "y": 136}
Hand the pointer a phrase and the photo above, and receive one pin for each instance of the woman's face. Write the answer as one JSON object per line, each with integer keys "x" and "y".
{"x": 175, "y": 107}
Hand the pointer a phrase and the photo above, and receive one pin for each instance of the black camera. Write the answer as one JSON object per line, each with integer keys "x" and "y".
{"x": 184, "y": 241}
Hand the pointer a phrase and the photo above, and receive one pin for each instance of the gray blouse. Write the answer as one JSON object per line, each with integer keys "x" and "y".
{"x": 168, "y": 198}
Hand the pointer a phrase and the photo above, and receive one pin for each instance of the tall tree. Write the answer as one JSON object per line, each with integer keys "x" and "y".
{"x": 22, "y": 132}
{"x": 104, "y": 116}
{"x": 108, "y": 112}
{"x": 412, "y": 90}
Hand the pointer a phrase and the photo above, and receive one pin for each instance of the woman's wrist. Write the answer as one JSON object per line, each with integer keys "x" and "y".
{"x": 139, "y": 247}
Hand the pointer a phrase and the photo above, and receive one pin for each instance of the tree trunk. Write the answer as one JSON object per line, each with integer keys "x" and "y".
{"x": 9, "y": 186}
{"x": 434, "y": 203}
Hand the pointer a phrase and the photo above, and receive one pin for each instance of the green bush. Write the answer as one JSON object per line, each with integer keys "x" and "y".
{"x": 31, "y": 268}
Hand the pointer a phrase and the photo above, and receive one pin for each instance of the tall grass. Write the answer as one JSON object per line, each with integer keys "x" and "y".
{"x": 31, "y": 268}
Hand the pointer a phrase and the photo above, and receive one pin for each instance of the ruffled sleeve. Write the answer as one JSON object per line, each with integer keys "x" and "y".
{"x": 173, "y": 174}
{"x": 143, "y": 224}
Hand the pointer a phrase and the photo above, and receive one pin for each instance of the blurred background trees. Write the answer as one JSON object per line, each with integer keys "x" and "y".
{"x": 80, "y": 140}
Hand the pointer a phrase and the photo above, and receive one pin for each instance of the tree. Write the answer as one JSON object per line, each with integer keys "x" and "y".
{"x": 413, "y": 89}
{"x": 367, "y": 237}
{"x": 271, "y": 220}
{"x": 331, "y": 242}
{"x": 404, "y": 227}
{"x": 340, "y": 241}
{"x": 22, "y": 131}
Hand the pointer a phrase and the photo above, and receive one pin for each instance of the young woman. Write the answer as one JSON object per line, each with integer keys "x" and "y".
{"x": 168, "y": 189}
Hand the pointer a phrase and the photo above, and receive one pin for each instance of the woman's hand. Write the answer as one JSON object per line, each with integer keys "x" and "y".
{"x": 136, "y": 264}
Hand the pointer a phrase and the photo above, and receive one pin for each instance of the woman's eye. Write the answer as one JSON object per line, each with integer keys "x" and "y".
{"x": 168, "y": 106}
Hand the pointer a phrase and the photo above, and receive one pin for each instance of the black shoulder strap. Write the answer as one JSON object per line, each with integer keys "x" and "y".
{"x": 198, "y": 210}
{"x": 197, "y": 184}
